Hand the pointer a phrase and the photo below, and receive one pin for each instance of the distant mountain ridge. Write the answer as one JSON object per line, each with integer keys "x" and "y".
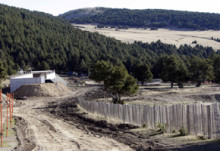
{"x": 148, "y": 18}
{"x": 79, "y": 13}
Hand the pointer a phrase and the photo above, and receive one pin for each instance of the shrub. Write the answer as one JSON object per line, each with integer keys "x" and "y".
{"x": 194, "y": 42}
{"x": 162, "y": 127}
{"x": 201, "y": 137}
{"x": 116, "y": 101}
{"x": 183, "y": 131}
{"x": 144, "y": 125}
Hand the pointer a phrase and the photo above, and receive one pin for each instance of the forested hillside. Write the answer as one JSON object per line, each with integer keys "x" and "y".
{"x": 149, "y": 18}
{"x": 42, "y": 41}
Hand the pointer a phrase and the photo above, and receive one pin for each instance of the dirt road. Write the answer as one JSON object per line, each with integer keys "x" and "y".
{"x": 37, "y": 130}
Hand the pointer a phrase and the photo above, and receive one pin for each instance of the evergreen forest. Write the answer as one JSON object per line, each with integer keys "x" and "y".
{"x": 148, "y": 18}
{"x": 40, "y": 41}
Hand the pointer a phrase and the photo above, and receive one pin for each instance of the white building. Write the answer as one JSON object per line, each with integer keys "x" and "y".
{"x": 32, "y": 77}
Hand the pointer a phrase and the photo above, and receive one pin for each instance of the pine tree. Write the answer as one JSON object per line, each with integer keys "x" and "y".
{"x": 200, "y": 70}
{"x": 2, "y": 72}
{"x": 117, "y": 81}
{"x": 143, "y": 73}
{"x": 216, "y": 65}
{"x": 173, "y": 70}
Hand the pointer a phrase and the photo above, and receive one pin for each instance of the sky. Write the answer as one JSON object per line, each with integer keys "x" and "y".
{"x": 57, "y": 7}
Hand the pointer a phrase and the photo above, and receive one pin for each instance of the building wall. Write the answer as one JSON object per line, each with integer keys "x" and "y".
{"x": 51, "y": 76}
{"x": 18, "y": 82}
{"x": 25, "y": 79}
{"x": 30, "y": 75}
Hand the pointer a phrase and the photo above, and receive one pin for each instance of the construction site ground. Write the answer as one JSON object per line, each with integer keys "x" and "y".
{"x": 57, "y": 124}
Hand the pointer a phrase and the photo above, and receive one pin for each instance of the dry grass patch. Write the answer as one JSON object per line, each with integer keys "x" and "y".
{"x": 169, "y": 36}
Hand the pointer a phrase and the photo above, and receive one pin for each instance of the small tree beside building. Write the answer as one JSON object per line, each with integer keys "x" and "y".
{"x": 117, "y": 81}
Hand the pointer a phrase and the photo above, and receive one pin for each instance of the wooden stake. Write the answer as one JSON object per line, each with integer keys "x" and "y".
{"x": 7, "y": 116}
{"x": 12, "y": 106}
{"x": 10, "y": 109}
{"x": 1, "y": 101}
{"x": 13, "y": 98}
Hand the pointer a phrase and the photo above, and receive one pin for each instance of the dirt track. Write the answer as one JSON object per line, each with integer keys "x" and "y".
{"x": 68, "y": 110}
{"x": 37, "y": 130}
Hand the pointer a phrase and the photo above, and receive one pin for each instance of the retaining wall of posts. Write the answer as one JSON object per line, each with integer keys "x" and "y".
{"x": 197, "y": 119}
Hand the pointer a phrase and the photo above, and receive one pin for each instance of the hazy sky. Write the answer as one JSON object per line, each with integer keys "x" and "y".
{"x": 57, "y": 7}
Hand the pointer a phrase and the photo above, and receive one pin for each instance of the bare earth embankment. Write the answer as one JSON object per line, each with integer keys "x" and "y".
{"x": 170, "y": 36}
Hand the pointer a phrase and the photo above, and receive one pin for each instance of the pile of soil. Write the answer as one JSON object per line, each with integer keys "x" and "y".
{"x": 42, "y": 90}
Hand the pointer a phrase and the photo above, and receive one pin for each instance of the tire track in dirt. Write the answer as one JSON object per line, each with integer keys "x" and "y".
{"x": 67, "y": 110}
{"x": 36, "y": 130}
{"x": 24, "y": 135}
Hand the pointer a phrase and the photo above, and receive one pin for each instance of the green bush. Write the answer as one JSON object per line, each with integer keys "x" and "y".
{"x": 162, "y": 127}
{"x": 183, "y": 131}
